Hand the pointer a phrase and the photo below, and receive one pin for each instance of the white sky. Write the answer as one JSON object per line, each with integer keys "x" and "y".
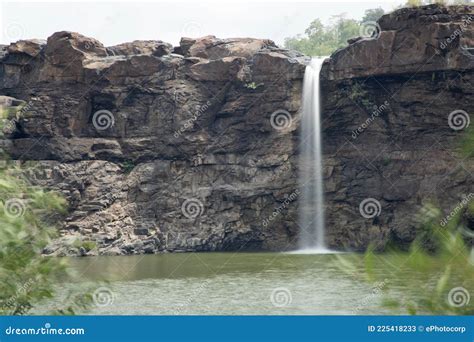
{"x": 113, "y": 22}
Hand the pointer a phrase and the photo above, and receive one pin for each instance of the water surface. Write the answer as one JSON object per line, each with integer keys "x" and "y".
{"x": 229, "y": 284}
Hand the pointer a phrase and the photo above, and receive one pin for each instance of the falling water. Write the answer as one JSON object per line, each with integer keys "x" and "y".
{"x": 311, "y": 205}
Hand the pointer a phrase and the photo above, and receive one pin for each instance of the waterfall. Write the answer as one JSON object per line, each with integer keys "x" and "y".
{"x": 311, "y": 216}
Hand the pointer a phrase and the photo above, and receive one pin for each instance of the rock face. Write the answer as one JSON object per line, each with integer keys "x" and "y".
{"x": 390, "y": 139}
{"x": 194, "y": 148}
{"x": 158, "y": 148}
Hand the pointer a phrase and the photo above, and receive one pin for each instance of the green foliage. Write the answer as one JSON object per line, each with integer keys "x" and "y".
{"x": 76, "y": 302}
{"x": 467, "y": 142}
{"x": 438, "y": 269}
{"x": 414, "y": 3}
{"x": 27, "y": 216}
{"x": 372, "y": 14}
{"x": 128, "y": 166}
{"x": 357, "y": 92}
{"x": 252, "y": 85}
{"x": 386, "y": 160}
{"x": 87, "y": 245}
{"x": 417, "y": 3}
{"x": 323, "y": 40}
{"x": 359, "y": 95}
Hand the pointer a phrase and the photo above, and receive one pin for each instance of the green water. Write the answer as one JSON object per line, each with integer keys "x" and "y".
{"x": 229, "y": 284}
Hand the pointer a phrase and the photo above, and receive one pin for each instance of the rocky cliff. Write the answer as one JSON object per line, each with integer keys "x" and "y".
{"x": 195, "y": 147}
{"x": 158, "y": 148}
{"x": 396, "y": 106}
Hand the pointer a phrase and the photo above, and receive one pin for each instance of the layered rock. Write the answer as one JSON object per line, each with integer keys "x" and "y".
{"x": 409, "y": 41}
{"x": 389, "y": 136}
{"x": 158, "y": 148}
{"x": 194, "y": 148}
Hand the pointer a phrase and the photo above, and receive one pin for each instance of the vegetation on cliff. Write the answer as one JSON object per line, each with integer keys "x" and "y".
{"x": 322, "y": 40}
{"x": 27, "y": 217}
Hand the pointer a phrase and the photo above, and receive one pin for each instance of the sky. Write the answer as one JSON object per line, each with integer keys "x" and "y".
{"x": 113, "y": 22}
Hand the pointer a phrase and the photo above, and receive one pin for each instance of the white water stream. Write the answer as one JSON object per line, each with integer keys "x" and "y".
{"x": 311, "y": 219}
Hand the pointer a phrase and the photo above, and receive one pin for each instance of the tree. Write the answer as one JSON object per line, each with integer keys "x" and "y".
{"x": 414, "y": 3}
{"x": 417, "y": 3}
{"x": 323, "y": 40}
{"x": 27, "y": 217}
{"x": 372, "y": 14}
{"x": 320, "y": 40}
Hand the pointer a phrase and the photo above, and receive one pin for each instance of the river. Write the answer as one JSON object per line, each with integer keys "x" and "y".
{"x": 230, "y": 284}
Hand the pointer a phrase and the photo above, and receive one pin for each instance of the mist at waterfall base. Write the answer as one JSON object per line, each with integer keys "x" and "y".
{"x": 311, "y": 207}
